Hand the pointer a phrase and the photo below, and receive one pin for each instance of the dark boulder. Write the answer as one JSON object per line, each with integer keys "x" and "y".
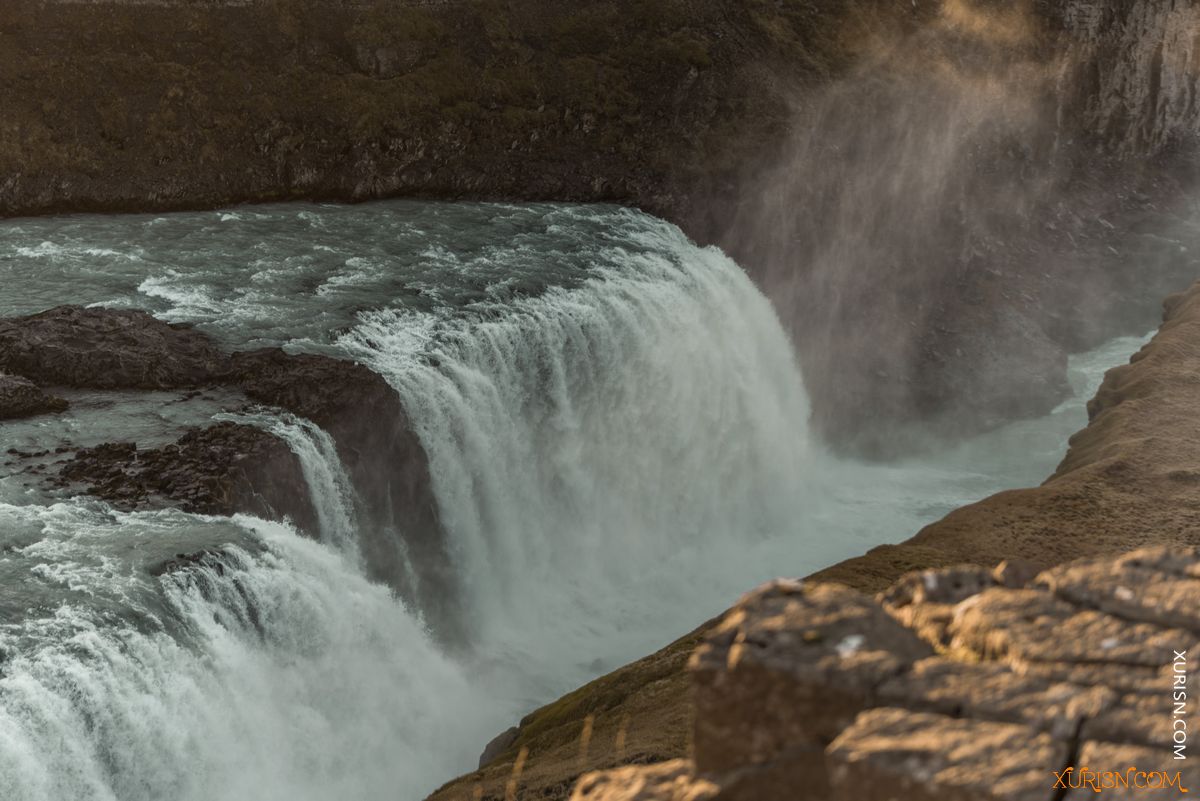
{"x": 321, "y": 388}
{"x": 20, "y": 397}
{"x": 107, "y": 349}
{"x": 221, "y": 470}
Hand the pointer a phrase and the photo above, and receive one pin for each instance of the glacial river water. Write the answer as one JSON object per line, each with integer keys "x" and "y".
{"x": 618, "y": 437}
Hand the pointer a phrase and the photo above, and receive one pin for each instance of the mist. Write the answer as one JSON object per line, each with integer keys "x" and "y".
{"x": 979, "y": 197}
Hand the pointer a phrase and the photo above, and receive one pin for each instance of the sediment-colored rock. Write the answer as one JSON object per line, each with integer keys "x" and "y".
{"x": 810, "y": 692}
{"x": 896, "y": 754}
{"x": 670, "y": 781}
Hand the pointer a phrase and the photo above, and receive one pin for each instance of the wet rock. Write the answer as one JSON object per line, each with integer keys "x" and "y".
{"x": 107, "y": 349}
{"x": 128, "y": 349}
{"x": 20, "y": 397}
{"x": 222, "y": 470}
{"x": 383, "y": 457}
{"x": 320, "y": 388}
{"x": 184, "y": 561}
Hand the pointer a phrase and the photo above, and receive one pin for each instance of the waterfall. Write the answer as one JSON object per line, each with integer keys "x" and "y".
{"x": 329, "y": 487}
{"x": 606, "y": 449}
{"x": 272, "y": 671}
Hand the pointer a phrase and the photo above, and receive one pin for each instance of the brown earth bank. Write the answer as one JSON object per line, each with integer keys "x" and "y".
{"x": 1129, "y": 479}
{"x": 935, "y": 267}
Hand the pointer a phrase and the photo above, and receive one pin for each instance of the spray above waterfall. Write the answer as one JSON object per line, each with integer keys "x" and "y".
{"x": 951, "y": 217}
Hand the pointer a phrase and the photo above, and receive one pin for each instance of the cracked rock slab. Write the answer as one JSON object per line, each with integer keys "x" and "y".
{"x": 990, "y": 691}
{"x": 822, "y": 649}
{"x": 1161, "y": 589}
{"x": 1035, "y": 626}
{"x": 898, "y": 754}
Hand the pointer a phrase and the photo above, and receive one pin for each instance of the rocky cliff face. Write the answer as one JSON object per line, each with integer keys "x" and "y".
{"x": 1020, "y": 191}
{"x": 121, "y": 105}
{"x": 959, "y": 236}
{"x": 1128, "y": 479}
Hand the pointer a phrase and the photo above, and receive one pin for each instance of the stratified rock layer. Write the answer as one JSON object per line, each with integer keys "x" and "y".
{"x": 811, "y": 692}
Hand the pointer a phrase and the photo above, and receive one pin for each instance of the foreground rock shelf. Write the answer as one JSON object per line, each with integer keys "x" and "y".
{"x": 960, "y": 683}
{"x": 1129, "y": 480}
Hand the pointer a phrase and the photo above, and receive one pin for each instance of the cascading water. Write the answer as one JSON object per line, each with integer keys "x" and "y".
{"x": 272, "y": 671}
{"x": 617, "y": 435}
{"x": 331, "y": 490}
{"x": 584, "y": 439}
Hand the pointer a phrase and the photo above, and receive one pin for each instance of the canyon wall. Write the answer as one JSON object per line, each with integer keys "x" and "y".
{"x": 1051, "y": 144}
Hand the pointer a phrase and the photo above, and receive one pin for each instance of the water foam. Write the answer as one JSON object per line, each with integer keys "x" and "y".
{"x": 275, "y": 673}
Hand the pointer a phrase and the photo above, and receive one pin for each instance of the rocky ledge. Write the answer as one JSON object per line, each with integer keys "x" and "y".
{"x": 220, "y": 470}
{"x": 959, "y": 684}
{"x": 1129, "y": 480}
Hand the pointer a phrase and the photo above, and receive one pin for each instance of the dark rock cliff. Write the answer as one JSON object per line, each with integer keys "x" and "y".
{"x": 786, "y": 132}
{"x": 227, "y": 468}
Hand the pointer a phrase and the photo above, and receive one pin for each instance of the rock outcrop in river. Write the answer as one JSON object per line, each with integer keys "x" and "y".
{"x": 20, "y": 397}
{"x": 227, "y": 468}
{"x": 1127, "y": 481}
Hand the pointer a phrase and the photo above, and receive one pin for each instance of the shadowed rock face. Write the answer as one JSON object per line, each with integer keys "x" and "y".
{"x": 20, "y": 397}
{"x": 819, "y": 693}
{"x": 1129, "y": 478}
{"x": 383, "y": 457}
